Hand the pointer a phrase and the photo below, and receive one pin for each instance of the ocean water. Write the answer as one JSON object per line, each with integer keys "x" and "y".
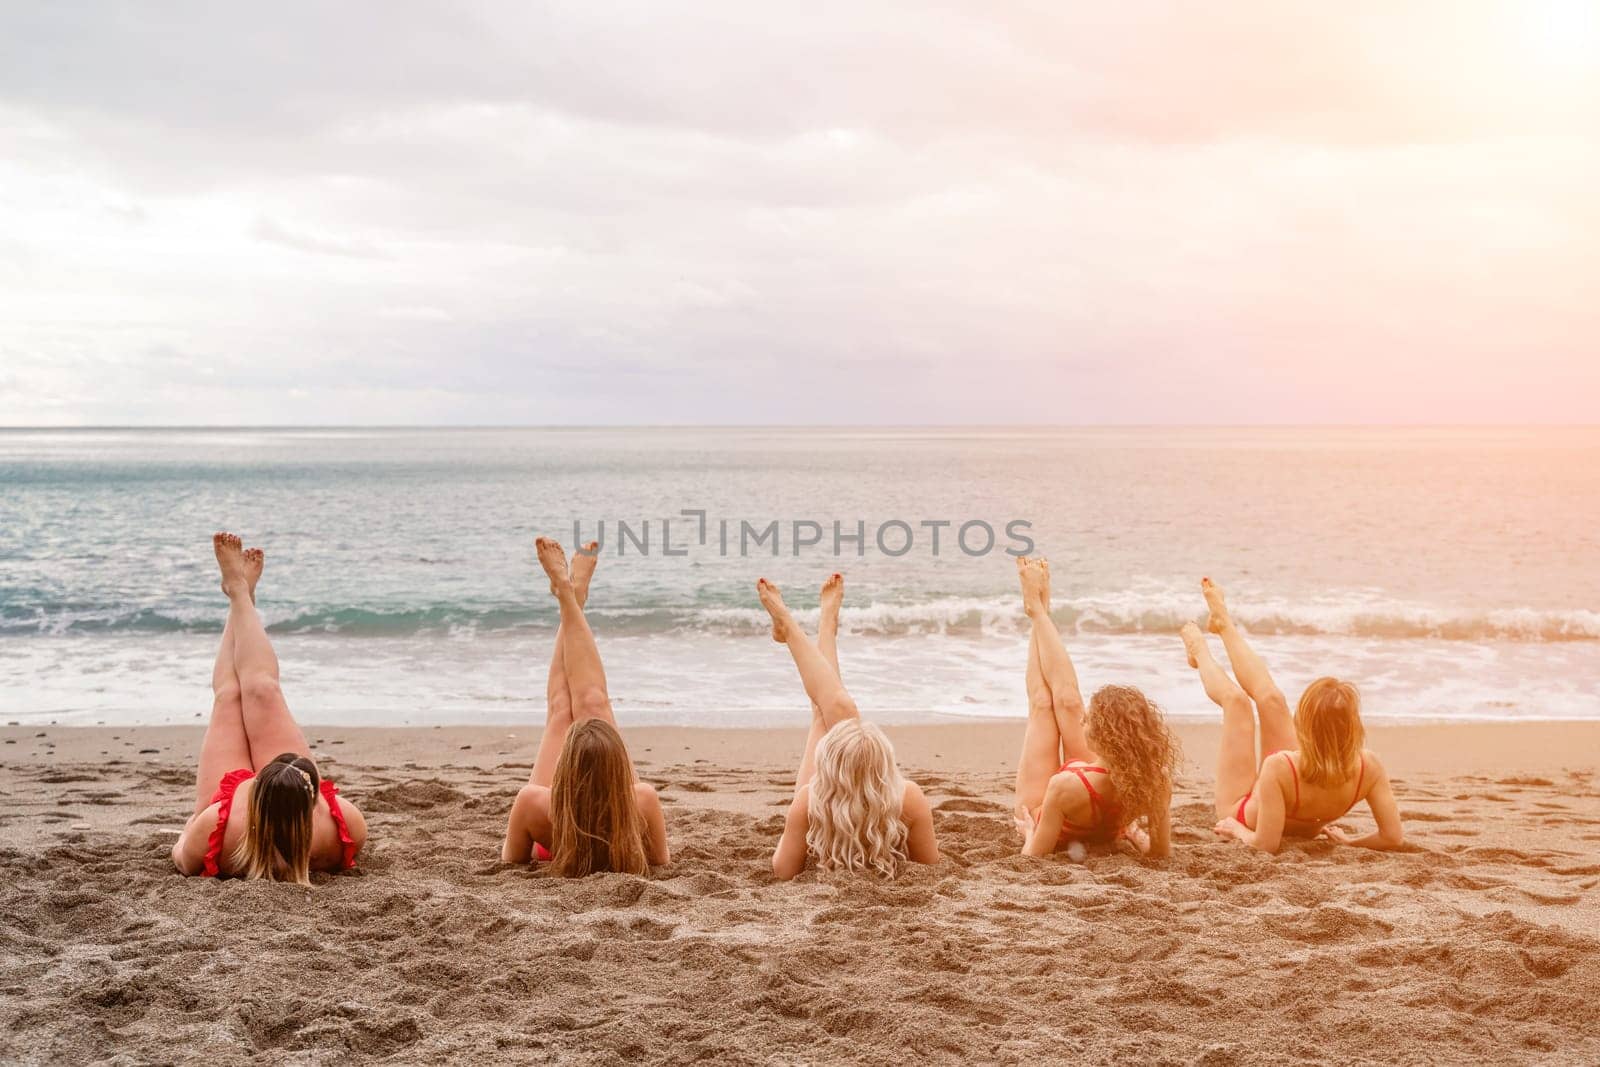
{"x": 1452, "y": 573}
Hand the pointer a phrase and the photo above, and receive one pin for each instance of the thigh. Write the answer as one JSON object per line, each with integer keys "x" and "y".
{"x": 273, "y": 730}
{"x": 224, "y": 747}
{"x": 556, "y": 724}
{"x": 1277, "y": 725}
{"x": 1039, "y": 762}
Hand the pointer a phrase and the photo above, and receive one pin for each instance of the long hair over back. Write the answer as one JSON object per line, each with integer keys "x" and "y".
{"x": 857, "y": 795}
{"x": 1128, "y": 732}
{"x": 277, "y": 836}
{"x": 595, "y": 814}
{"x": 1327, "y": 724}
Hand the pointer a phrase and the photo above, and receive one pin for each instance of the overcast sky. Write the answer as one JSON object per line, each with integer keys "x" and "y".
{"x": 1098, "y": 212}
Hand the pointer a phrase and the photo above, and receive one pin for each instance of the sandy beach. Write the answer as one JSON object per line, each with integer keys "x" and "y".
{"x": 1478, "y": 943}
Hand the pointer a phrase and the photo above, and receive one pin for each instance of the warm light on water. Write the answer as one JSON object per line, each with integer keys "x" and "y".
{"x": 1450, "y": 572}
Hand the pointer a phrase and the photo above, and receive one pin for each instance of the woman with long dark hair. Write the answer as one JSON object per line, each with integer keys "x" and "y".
{"x": 262, "y": 809}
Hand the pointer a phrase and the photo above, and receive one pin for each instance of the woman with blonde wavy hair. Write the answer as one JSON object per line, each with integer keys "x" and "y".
{"x": 583, "y": 809}
{"x": 852, "y": 809}
{"x": 1313, "y": 768}
{"x": 261, "y": 810}
{"x": 1087, "y": 774}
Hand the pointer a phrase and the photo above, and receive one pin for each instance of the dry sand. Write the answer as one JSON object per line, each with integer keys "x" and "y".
{"x": 1479, "y": 945}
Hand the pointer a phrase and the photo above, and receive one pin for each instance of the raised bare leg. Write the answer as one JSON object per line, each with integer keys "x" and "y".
{"x": 821, "y": 681}
{"x": 267, "y": 722}
{"x": 1236, "y": 758}
{"x": 1277, "y": 726}
{"x": 586, "y": 676}
{"x": 225, "y": 746}
{"x": 1041, "y": 741}
{"x": 1059, "y": 674}
{"x": 558, "y": 697}
{"x": 828, "y": 645}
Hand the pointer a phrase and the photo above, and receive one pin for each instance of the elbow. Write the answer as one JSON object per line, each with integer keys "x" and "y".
{"x": 1390, "y": 842}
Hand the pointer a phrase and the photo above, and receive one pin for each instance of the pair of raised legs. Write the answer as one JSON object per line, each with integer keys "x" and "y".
{"x": 817, "y": 662}
{"x": 250, "y": 722}
{"x": 1253, "y": 700}
{"x": 1055, "y": 730}
{"x": 575, "y": 690}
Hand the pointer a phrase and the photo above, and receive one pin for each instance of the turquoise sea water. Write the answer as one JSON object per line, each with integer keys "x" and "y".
{"x": 1450, "y": 572}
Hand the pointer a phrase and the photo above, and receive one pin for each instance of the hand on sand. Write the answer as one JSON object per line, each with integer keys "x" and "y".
{"x": 1025, "y": 823}
{"x": 1335, "y": 833}
{"x": 1228, "y": 827}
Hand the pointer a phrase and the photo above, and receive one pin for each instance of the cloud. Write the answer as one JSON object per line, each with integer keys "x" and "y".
{"x": 851, "y": 213}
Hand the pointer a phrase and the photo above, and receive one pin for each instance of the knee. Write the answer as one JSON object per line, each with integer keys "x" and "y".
{"x": 1070, "y": 706}
{"x": 260, "y": 689}
{"x": 1237, "y": 703}
{"x": 842, "y": 706}
{"x": 1273, "y": 700}
{"x": 227, "y": 695}
{"x": 592, "y": 703}
{"x": 558, "y": 708}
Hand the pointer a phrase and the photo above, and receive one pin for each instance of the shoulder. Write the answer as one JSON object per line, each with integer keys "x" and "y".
{"x": 1065, "y": 786}
{"x": 1373, "y": 769}
{"x": 354, "y": 819}
{"x": 914, "y": 804}
{"x": 646, "y": 796}
{"x": 531, "y": 799}
{"x": 1278, "y": 767}
{"x": 802, "y": 799}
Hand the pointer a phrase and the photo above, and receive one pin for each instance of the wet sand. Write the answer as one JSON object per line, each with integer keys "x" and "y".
{"x": 1477, "y": 944}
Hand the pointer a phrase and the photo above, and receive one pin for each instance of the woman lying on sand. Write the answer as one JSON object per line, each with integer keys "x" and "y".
{"x": 851, "y": 807}
{"x": 582, "y": 808}
{"x": 1086, "y": 780}
{"x": 1313, "y": 769}
{"x": 261, "y": 809}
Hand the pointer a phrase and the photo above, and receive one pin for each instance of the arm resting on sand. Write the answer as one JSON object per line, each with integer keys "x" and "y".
{"x": 1385, "y": 810}
{"x": 920, "y": 844}
{"x": 189, "y": 851}
{"x": 790, "y": 857}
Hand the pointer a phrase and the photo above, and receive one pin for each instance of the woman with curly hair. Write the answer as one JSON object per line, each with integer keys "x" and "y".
{"x": 852, "y": 809}
{"x": 1313, "y": 768}
{"x": 1087, "y": 774}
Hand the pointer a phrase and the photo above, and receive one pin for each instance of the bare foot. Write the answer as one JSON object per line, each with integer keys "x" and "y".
{"x": 254, "y": 560}
{"x": 1194, "y": 643}
{"x": 772, "y": 600}
{"x": 553, "y": 558}
{"x": 230, "y": 560}
{"x": 1219, "y": 606}
{"x": 1034, "y": 575}
{"x": 832, "y": 598}
{"x": 584, "y": 562}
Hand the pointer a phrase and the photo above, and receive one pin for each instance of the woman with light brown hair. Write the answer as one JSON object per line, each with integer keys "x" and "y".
{"x": 583, "y": 809}
{"x": 1087, "y": 773}
{"x": 1313, "y": 768}
{"x": 262, "y": 809}
{"x": 852, "y": 809}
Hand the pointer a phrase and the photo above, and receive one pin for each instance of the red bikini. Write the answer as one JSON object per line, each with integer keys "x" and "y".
{"x": 1105, "y": 819}
{"x": 224, "y": 798}
{"x": 1295, "y": 774}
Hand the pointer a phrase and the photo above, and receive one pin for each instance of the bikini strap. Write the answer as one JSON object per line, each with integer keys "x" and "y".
{"x": 330, "y": 793}
{"x": 1296, "y": 776}
{"x": 1360, "y": 777}
{"x": 1094, "y": 798}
